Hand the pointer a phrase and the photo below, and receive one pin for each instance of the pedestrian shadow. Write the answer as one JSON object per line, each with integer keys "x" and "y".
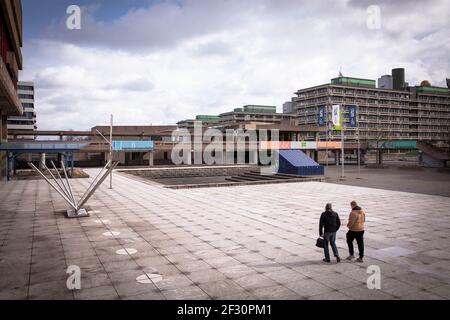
{"x": 304, "y": 263}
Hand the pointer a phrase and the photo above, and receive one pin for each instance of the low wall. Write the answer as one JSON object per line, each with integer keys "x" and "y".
{"x": 202, "y": 171}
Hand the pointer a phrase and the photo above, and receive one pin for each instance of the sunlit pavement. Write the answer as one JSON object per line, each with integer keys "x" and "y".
{"x": 247, "y": 242}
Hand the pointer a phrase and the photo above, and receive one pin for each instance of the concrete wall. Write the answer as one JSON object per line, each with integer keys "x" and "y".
{"x": 177, "y": 172}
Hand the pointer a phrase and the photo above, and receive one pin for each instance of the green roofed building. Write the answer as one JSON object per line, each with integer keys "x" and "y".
{"x": 260, "y": 114}
{"x": 259, "y": 109}
{"x": 354, "y": 82}
{"x": 207, "y": 118}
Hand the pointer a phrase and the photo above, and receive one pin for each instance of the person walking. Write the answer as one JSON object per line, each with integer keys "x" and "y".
{"x": 355, "y": 226}
{"x": 329, "y": 224}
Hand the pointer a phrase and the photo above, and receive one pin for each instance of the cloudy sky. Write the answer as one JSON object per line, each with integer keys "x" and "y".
{"x": 158, "y": 62}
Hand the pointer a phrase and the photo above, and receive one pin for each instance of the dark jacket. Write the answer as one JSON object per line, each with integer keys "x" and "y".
{"x": 329, "y": 221}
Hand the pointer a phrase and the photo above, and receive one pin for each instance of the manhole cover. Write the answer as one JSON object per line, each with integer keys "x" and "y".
{"x": 126, "y": 251}
{"x": 147, "y": 278}
{"x": 111, "y": 233}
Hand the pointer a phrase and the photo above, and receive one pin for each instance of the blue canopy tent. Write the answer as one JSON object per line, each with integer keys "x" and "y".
{"x": 14, "y": 149}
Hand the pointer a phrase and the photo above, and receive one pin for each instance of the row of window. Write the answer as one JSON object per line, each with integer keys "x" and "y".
{"x": 436, "y": 99}
{"x": 25, "y": 122}
{"x": 26, "y": 96}
{"x": 25, "y": 88}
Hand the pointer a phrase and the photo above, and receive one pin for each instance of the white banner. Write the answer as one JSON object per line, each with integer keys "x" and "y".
{"x": 336, "y": 116}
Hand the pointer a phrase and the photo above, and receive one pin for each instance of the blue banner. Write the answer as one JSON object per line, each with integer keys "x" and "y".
{"x": 137, "y": 146}
{"x": 353, "y": 122}
{"x": 321, "y": 120}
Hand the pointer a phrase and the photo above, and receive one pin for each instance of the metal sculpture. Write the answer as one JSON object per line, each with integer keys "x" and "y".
{"x": 76, "y": 209}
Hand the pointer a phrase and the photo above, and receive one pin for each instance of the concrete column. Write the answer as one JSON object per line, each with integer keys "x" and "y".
{"x": 150, "y": 159}
{"x": 380, "y": 157}
{"x": 3, "y": 136}
{"x": 42, "y": 161}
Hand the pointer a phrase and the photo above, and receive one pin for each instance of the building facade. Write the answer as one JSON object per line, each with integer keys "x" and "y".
{"x": 412, "y": 113}
{"x": 10, "y": 64}
{"x": 27, "y": 121}
{"x": 255, "y": 113}
{"x": 287, "y": 107}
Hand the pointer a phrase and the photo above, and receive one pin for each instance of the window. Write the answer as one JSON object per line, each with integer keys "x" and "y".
{"x": 25, "y": 88}
{"x": 26, "y": 96}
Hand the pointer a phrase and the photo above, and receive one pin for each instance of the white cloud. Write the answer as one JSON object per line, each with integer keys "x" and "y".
{"x": 170, "y": 62}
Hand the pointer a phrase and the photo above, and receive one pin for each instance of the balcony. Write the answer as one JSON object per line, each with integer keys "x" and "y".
{"x": 9, "y": 100}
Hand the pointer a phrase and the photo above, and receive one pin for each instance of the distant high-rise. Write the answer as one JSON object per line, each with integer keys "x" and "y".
{"x": 287, "y": 107}
{"x": 398, "y": 79}
{"x": 385, "y": 82}
{"x": 27, "y": 121}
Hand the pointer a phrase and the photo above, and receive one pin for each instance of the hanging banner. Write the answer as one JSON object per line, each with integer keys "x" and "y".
{"x": 321, "y": 121}
{"x": 337, "y": 117}
{"x": 352, "y": 116}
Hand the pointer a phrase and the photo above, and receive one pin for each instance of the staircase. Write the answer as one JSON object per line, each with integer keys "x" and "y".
{"x": 256, "y": 176}
{"x": 432, "y": 151}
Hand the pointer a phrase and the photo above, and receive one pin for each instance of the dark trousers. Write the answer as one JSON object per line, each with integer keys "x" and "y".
{"x": 330, "y": 238}
{"x": 359, "y": 236}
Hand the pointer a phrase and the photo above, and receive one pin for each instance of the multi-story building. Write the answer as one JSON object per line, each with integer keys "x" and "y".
{"x": 420, "y": 113}
{"x": 255, "y": 113}
{"x": 10, "y": 64}
{"x": 27, "y": 121}
{"x": 287, "y": 107}
{"x": 208, "y": 121}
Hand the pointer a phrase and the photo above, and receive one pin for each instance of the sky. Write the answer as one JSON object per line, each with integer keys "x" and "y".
{"x": 159, "y": 62}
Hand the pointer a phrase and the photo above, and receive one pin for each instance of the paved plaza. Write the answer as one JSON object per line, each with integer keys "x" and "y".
{"x": 144, "y": 241}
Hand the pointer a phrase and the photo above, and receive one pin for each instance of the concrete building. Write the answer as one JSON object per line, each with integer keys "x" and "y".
{"x": 385, "y": 82}
{"x": 10, "y": 64}
{"x": 411, "y": 113}
{"x": 208, "y": 121}
{"x": 287, "y": 107}
{"x": 255, "y": 113}
{"x": 27, "y": 121}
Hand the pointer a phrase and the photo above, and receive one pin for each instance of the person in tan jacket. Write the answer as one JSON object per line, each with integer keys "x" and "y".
{"x": 355, "y": 226}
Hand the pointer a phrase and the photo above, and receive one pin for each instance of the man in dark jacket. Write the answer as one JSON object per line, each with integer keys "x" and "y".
{"x": 328, "y": 226}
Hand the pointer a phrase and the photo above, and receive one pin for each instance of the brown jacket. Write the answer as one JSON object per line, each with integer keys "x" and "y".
{"x": 356, "y": 219}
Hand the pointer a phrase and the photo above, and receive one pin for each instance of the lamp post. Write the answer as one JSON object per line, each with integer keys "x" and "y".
{"x": 111, "y": 151}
